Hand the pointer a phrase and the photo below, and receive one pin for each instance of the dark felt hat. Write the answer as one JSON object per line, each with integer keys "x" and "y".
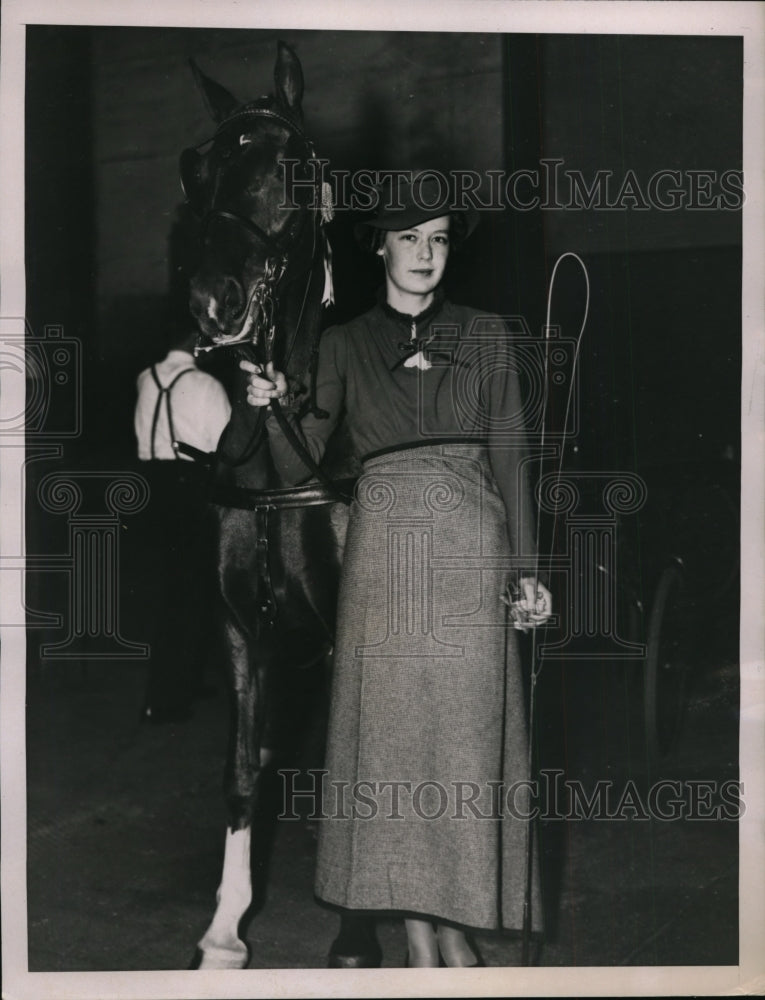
{"x": 404, "y": 201}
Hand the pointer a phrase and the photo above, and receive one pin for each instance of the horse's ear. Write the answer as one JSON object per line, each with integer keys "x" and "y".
{"x": 288, "y": 77}
{"x": 220, "y": 103}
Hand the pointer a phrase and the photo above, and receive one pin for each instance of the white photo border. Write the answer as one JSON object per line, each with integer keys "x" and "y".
{"x": 501, "y": 16}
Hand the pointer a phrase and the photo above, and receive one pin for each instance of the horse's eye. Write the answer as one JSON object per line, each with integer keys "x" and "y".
{"x": 244, "y": 140}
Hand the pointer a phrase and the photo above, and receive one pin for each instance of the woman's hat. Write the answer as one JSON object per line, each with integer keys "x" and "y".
{"x": 404, "y": 201}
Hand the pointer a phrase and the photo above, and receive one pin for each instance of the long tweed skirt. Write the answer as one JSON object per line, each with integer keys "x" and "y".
{"x": 425, "y": 804}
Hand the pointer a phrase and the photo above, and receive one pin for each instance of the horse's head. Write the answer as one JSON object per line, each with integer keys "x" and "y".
{"x": 253, "y": 232}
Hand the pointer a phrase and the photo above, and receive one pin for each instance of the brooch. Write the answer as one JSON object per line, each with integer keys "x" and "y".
{"x": 417, "y": 353}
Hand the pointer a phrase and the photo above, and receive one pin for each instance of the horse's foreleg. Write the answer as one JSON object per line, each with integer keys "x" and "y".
{"x": 221, "y": 947}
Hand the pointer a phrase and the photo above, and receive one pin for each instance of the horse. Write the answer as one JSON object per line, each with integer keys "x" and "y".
{"x": 257, "y": 294}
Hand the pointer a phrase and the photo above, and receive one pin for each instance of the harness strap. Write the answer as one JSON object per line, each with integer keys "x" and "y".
{"x": 260, "y": 502}
{"x": 255, "y": 110}
{"x": 196, "y": 454}
{"x": 164, "y": 396}
{"x": 266, "y": 613}
{"x": 310, "y": 495}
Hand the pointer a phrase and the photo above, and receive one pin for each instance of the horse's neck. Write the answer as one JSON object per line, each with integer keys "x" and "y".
{"x": 243, "y": 456}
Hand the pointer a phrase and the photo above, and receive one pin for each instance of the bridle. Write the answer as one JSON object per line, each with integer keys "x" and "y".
{"x": 255, "y": 341}
{"x": 258, "y": 328}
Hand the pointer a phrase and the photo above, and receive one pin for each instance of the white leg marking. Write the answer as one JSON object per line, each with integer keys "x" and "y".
{"x": 221, "y": 947}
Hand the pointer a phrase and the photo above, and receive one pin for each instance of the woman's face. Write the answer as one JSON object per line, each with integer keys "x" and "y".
{"x": 415, "y": 258}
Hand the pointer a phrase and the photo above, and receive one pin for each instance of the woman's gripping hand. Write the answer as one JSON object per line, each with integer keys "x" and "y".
{"x": 263, "y": 384}
{"x": 536, "y": 600}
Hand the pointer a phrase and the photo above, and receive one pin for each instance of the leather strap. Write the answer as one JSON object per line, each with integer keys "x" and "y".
{"x": 310, "y": 495}
{"x": 266, "y": 612}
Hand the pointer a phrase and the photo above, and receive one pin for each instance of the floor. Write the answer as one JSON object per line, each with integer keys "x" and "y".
{"x": 126, "y": 824}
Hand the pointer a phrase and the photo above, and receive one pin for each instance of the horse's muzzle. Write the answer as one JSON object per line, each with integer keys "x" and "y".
{"x": 218, "y": 307}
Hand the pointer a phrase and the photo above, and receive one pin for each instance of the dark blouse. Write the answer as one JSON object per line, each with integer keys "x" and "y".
{"x": 470, "y": 394}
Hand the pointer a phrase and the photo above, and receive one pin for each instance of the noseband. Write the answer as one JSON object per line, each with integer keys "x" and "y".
{"x": 259, "y": 323}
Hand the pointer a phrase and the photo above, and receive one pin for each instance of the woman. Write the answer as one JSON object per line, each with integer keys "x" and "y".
{"x": 426, "y": 743}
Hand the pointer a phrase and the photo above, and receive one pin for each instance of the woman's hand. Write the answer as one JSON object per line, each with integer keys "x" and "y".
{"x": 536, "y": 600}
{"x": 263, "y": 385}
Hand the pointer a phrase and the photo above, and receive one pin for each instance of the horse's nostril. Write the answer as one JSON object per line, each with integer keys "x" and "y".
{"x": 233, "y": 297}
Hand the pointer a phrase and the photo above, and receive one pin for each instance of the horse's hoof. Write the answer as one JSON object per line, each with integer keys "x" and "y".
{"x": 369, "y": 959}
{"x": 237, "y": 957}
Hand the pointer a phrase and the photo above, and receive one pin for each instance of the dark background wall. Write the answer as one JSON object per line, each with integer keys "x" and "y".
{"x": 108, "y": 111}
{"x": 661, "y": 357}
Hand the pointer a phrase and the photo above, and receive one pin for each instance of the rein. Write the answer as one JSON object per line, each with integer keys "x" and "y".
{"x": 263, "y": 296}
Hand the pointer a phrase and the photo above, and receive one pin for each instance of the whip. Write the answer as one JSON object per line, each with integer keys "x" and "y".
{"x": 535, "y": 660}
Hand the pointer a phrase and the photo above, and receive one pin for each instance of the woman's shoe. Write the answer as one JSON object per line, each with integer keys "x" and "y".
{"x": 479, "y": 962}
{"x": 356, "y": 946}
